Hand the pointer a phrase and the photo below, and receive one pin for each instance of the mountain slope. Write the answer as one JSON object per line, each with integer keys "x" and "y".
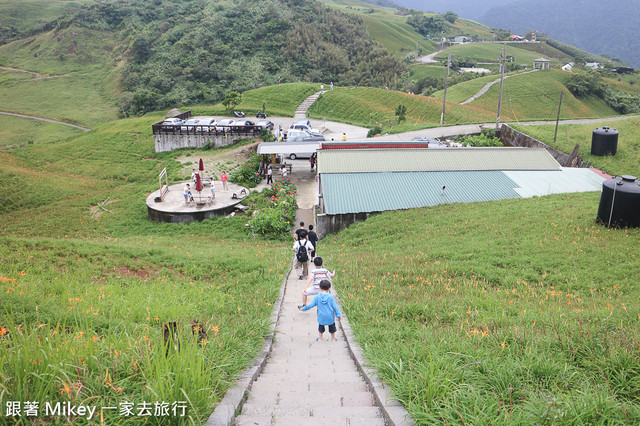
{"x": 592, "y": 25}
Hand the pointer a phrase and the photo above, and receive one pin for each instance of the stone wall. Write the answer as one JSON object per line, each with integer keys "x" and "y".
{"x": 168, "y": 142}
{"x": 328, "y": 224}
{"x": 511, "y": 137}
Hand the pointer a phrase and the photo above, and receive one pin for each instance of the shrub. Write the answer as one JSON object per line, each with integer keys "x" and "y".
{"x": 483, "y": 140}
{"x": 248, "y": 174}
{"x": 276, "y": 220}
{"x": 375, "y": 131}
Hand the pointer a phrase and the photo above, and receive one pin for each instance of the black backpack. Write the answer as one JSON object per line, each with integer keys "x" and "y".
{"x": 302, "y": 254}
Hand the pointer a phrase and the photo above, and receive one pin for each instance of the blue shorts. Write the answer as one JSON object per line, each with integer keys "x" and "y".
{"x": 332, "y": 328}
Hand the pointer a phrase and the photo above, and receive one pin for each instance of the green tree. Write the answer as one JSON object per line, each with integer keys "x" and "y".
{"x": 231, "y": 100}
{"x": 450, "y": 17}
{"x": 401, "y": 110}
{"x": 583, "y": 83}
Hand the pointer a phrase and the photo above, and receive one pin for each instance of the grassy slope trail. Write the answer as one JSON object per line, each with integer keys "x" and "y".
{"x": 45, "y": 119}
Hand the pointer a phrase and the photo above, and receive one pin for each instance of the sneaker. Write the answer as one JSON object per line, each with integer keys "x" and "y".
{"x": 301, "y": 277}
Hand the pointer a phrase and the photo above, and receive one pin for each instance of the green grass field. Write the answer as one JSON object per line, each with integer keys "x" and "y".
{"x": 17, "y": 131}
{"x": 28, "y": 15}
{"x": 367, "y": 106}
{"x": 421, "y": 71}
{"x": 535, "y": 96}
{"x": 280, "y": 100}
{"x": 463, "y": 91}
{"x": 475, "y": 317}
{"x": 83, "y": 297}
{"x": 625, "y": 162}
{"x": 490, "y": 52}
{"x": 70, "y": 77}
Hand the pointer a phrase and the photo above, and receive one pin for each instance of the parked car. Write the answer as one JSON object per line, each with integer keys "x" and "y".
{"x": 306, "y": 127}
{"x": 187, "y": 126}
{"x": 225, "y": 124}
{"x": 170, "y": 124}
{"x": 302, "y": 153}
{"x": 265, "y": 124}
{"x": 294, "y": 135}
{"x": 208, "y": 124}
{"x": 243, "y": 125}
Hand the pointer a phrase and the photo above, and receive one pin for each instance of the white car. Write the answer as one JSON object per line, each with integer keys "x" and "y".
{"x": 171, "y": 124}
{"x": 208, "y": 124}
{"x": 305, "y": 127}
{"x": 225, "y": 124}
{"x": 187, "y": 125}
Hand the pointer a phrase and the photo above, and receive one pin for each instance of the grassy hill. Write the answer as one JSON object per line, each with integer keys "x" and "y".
{"x": 68, "y": 75}
{"x": 535, "y": 96}
{"x": 366, "y": 106}
{"x": 85, "y": 295}
{"x": 496, "y": 320}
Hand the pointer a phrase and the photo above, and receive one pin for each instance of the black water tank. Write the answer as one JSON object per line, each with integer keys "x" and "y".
{"x": 604, "y": 141}
{"x": 620, "y": 202}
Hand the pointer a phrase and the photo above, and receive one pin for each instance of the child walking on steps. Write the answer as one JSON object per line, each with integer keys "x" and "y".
{"x": 327, "y": 310}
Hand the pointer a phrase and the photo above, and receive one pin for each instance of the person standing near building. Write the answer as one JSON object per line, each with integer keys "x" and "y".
{"x": 344, "y": 137}
{"x": 213, "y": 189}
{"x": 269, "y": 176}
{"x": 224, "y": 180}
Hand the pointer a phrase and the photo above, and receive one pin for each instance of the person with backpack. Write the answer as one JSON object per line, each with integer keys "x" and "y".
{"x": 318, "y": 274}
{"x": 302, "y": 248}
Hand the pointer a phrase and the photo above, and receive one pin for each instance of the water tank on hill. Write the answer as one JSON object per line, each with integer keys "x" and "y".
{"x": 604, "y": 141}
{"x": 620, "y": 202}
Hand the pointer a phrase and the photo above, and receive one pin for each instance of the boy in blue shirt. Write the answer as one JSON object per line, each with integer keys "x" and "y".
{"x": 327, "y": 310}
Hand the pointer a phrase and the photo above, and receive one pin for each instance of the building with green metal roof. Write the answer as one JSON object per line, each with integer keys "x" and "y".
{"x": 355, "y": 183}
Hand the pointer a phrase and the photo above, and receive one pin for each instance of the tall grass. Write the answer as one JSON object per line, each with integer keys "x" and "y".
{"x": 511, "y": 312}
{"x": 83, "y": 298}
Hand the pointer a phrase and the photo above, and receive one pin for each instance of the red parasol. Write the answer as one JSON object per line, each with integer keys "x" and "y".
{"x": 201, "y": 166}
{"x": 199, "y": 185}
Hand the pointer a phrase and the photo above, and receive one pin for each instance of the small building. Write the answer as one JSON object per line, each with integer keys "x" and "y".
{"x": 461, "y": 39}
{"x": 568, "y": 67}
{"x": 624, "y": 70}
{"x": 515, "y": 37}
{"x": 593, "y": 65}
{"x": 541, "y": 64}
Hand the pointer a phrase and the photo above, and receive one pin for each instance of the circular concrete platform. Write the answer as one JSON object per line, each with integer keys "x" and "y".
{"x": 173, "y": 209}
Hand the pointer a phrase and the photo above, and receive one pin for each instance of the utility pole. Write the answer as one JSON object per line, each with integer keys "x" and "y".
{"x": 557, "y": 120}
{"x": 504, "y": 48}
{"x": 446, "y": 83}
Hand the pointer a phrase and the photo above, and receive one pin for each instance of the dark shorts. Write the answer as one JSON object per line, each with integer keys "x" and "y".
{"x": 332, "y": 328}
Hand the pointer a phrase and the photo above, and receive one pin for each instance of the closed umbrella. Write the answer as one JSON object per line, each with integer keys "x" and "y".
{"x": 201, "y": 166}
{"x": 199, "y": 185}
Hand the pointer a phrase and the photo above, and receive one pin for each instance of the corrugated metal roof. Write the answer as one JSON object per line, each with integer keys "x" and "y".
{"x": 532, "y": 184}
{"x": 430, "y": 159}
{"x": 287, "y": 147}
{"x": 373, "y": 192}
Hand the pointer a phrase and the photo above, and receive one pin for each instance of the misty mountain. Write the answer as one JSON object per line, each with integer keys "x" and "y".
{"x": 468, "y": 9}
{"x": 596, "y": 26}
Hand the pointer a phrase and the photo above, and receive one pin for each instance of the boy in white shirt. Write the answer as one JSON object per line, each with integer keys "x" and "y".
{"x": 317, "y": 275}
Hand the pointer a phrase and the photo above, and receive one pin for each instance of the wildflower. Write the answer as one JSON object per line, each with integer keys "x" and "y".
{"x": 3, "y": 331}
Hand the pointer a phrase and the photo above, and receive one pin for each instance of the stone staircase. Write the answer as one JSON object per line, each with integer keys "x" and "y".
{"x": 301, "y": 111}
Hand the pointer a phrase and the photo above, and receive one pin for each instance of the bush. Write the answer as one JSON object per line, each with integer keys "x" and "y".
{"x": 267, "y": 136}
{"x": 276, "y": 220}
{"x": 483, "y": 140}
{"x": 248, "y": 175}
{"x": 375, "y": 131}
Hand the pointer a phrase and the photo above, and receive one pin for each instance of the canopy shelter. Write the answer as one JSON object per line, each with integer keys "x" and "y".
{"x": 288, "y": 147}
